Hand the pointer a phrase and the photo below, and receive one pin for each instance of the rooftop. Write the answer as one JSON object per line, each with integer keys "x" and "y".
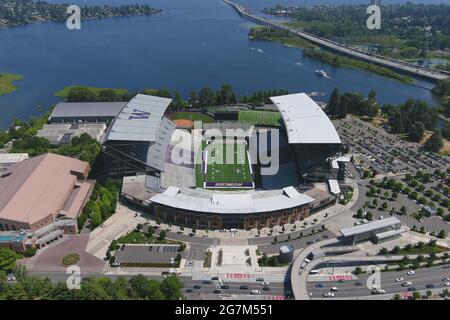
{"x": 86, "y": 109}
{"x": 305, "y": 121}
{"x": 201, "y": 200}
{"x": 139, "y": 120}
{"x": 38, "y": 187}
{"x": 371, "y": 226}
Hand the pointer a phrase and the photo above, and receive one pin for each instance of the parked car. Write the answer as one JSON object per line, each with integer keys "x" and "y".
{"x": 197, "y": 286}
{"x": 189, "y": 290}
{"x": 206, "y": 282}
{"x": 399, "y": 279}
{"x": 328, "y": 294}
{"x": 224, "y": 286}
{"x": 411, "y": 273}
{"x": 255, "y": 292}
{"x": 411, "y": 289}
{"x": 243, "y": 287}
{"x": 265, "y": 283}
{"x": 218, "y": 291}
{"x": 266, "y": 288}
{"x": 259, "y": 279}
{"x": 319, "y": 285}
{"x": 430, "y": 286}
{"x": 214, "y": 278}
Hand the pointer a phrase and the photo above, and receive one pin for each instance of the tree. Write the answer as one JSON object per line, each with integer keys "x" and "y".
{"x": 162, "y": 235}
{"x": 81, "y": 94}
{"x": 358, "y": 270}
{"x": 434, "y": 143}
{"x": 8, "y": 259}
{"x": 416, "y": 131}
{"x": 333, "y": 104}
{"x": 442, "y": 234}
{"x": 206, "y": 97}
{"x": 108, "y": 95}
{"x": 170, "y": 287}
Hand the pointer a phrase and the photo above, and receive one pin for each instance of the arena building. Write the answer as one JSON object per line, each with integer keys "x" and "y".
{"x": 179, "y": 174}
{"x": 43, "y": 197}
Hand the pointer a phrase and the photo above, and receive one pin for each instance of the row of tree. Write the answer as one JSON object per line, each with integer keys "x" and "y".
{"x": 101, "y": 205}
{"x": 206, "y": 97}
{"x": 136, "y": 288}
{"x": 352, "y": 103}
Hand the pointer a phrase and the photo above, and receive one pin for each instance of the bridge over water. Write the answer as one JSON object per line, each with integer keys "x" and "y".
{"x": 337, "y": 47}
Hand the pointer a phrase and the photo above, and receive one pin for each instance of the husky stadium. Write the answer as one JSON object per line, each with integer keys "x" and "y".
{"x": 212, "y": 175}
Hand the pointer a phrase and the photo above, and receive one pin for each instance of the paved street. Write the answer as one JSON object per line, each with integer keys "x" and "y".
{"x": 423, "y": 277}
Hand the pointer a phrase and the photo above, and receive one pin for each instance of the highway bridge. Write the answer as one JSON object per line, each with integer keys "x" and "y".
{"x": 339, "y": 48}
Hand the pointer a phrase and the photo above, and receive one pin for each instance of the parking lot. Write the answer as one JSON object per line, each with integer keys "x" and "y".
{"x": 147, "y": 255}
{"x": 385, "y": 153}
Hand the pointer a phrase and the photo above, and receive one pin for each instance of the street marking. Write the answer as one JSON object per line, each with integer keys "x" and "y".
{"x": 337, "y": 278}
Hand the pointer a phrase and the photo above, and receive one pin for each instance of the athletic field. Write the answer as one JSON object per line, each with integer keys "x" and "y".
{"x": 221, "y": 172}
{"x": 263, "y": 118}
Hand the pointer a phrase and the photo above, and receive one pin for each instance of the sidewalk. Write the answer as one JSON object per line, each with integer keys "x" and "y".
{"x": 119, "y": 224}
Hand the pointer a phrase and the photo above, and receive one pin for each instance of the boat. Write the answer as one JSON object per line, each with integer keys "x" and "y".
{"x": 322, "y": 73}
{"x": 299, "y": 63}
{"x": 259, "y": 50}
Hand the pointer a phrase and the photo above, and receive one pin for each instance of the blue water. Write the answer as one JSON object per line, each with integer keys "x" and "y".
{"x": 192, "y": 44}
{"x": 11, "y": 238}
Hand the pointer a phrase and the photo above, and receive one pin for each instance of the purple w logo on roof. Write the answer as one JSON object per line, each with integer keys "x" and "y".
{"x": 139, "y": 114}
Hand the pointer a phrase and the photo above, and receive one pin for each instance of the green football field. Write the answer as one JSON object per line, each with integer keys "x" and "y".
{"x": 222, "y": 170}
{"x": 268, "y": 118}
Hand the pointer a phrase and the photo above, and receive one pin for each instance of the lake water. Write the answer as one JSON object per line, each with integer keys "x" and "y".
{"x": 192, "y": 44}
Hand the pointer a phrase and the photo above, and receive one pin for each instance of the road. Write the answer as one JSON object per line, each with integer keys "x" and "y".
{"x": 276, "y": 288}
{"x": 423, "y": 276}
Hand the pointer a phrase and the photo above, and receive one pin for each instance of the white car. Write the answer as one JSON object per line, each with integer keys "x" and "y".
{"x": 265, "y": 283}
{"x": 447, "y": 284}
{"x": 407, "y": 284}
{"x": 378, "y": 291}
{"x": 328, "y": 294}
{"x": 411, "y": 273}
{"x": 399, "y": 279}
{"x": 255, "y": 292}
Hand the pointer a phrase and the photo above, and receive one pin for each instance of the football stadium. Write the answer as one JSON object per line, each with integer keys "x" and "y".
{"x": 243, "y": 168}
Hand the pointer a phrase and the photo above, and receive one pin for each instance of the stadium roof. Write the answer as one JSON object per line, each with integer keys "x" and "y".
{"x": 369, "y": 227}
{"x": 305, "y": 121}
{"x": 139, "y": 119}
{"x": 87, "y": 109}
{"x": 156, "y": 154}
{"x": 201, "y": 200}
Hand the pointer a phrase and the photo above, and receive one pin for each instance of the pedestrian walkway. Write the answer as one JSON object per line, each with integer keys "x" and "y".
{"x": 123, "y": 221}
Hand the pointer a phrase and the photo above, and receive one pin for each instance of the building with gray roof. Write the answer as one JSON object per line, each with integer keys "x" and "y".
{"x": 70, "y": 112}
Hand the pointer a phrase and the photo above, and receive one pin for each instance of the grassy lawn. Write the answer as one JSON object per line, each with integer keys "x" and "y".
{"x": 6, "y": 82}
{"x": 70, "y": 259}
{"x": 64, "y": 92}
{"x": 194, "y": 116}
{"x": 219, "y": 171}
{"x": 424, "y": 250}
{"x": 266, "y": 118}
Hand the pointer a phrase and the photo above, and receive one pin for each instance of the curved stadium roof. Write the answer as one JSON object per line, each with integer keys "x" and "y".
{"x": 305, "y": 121}
{"x": 139, "y": 120}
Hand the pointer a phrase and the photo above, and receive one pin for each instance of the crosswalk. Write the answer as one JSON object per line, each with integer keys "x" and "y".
{"x": 343, "y": 277}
